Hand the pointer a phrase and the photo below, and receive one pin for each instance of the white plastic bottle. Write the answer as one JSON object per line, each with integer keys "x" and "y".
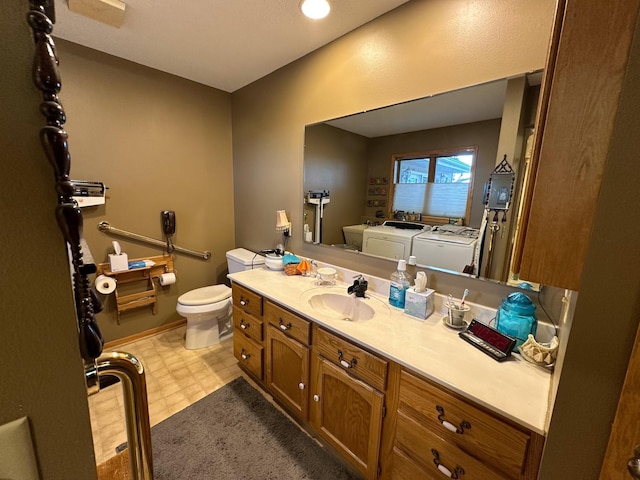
{"x": 399, "y": 285}
{"x": 412, "y": 269}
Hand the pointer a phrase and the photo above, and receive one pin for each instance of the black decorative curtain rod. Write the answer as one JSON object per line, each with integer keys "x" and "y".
{"x": 46, "y": 78}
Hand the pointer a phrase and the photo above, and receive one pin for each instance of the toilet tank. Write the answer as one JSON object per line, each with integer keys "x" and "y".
{"x": 240, "y": 259}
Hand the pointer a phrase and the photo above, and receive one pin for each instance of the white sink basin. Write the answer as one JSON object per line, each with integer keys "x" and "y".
{"x": 339, "y": 305}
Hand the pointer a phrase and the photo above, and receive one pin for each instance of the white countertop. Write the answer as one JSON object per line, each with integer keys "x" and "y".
{"x": 515, "y": 388}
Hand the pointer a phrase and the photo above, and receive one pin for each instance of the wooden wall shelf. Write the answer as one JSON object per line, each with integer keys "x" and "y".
{"x": 147, "y": 296}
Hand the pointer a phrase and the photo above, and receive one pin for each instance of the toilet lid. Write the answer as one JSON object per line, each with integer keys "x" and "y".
{"x": 204, "y": 295}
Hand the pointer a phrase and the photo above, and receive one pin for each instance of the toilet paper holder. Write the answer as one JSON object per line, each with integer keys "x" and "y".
{"x": 146, "y": 296}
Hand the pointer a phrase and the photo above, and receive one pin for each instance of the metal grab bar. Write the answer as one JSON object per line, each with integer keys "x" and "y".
{"x": 130, "y": 371}
{"x": 107, "y": 228}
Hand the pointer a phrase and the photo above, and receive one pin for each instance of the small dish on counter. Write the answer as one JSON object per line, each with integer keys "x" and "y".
{"x": 540, "y": 354}
{"x": 464, "y": 325}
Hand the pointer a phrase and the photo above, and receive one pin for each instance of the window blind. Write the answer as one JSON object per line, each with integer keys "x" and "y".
{"x": 432, "y": 199}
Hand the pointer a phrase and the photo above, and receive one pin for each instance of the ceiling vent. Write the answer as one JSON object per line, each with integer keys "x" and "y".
{"x": 110, "y": 12}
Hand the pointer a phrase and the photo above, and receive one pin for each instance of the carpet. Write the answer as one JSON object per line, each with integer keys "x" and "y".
{"x": 236, "y": 433}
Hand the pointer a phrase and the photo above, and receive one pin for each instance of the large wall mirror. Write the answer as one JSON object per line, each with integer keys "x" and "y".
{"x": 351, "y": 175}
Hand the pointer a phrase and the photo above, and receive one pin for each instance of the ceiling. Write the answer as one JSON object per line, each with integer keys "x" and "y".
{"x": 472, "y": 104}
{"x": 225, "y": 44}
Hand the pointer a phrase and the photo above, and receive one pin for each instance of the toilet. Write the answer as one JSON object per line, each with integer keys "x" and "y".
{"x": 208, "y": 310}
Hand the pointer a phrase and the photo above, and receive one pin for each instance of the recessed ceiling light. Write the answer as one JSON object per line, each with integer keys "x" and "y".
{"x": 315, "y": 9}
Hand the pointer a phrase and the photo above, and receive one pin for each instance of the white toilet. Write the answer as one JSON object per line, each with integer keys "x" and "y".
{"x": 208, "y": 309}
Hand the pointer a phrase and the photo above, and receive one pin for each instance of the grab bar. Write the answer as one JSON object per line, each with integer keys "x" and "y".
{"x": 130, "y": 371}
{"x": 107, "y": 228}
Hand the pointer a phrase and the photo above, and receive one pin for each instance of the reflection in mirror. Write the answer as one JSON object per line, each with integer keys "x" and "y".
{"x": 356, "y": 159}
{"x": 499, "y": 191}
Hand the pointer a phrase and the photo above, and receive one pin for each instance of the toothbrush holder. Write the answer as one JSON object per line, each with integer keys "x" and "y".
{"x": 456, "y": 314}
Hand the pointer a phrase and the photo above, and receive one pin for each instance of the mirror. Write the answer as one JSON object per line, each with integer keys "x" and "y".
{"x": 350, "y": 160}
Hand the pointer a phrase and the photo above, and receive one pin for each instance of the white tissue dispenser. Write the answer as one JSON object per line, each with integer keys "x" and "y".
{"x": 419, "y": 304}
{"x": 118, "y": 262}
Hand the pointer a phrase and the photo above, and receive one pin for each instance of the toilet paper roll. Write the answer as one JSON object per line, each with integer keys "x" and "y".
{"x": 105, "y": 285}
{"x": 167, "y": 279}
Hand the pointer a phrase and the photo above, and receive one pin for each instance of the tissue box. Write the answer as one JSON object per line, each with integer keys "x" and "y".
{"x": 419, "y": 304}
{"x": 119, "y": 263}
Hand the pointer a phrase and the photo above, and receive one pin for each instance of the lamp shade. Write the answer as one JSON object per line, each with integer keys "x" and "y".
{"x": 282, "y": 222}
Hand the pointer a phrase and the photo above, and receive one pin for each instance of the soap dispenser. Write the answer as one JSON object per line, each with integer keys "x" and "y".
{"x": 399, "y": 284}
{"x": 516, "y": 317}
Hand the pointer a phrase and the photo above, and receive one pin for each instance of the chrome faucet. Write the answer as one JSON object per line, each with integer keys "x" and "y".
{"x": 359, "y": 286}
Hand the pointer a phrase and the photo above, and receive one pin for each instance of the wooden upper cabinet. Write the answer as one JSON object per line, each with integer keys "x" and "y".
{"x": 580, "y": 94}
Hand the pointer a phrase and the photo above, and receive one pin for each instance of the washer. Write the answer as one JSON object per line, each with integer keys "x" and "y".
{"x": 448, "y": 250}
{"x": 392, "y": 239}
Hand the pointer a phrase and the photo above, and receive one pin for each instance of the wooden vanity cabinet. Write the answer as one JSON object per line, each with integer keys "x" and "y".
{"x": 248, "y": 330}
{"x": 287, "y": 358}
{"x": 437, "y": 433}
{"x": 347, "y": 404}
{"x": 342, "y": 391}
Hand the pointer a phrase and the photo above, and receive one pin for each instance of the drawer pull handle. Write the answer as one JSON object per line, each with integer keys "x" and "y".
{"x": 284, "y": 326}
{"x": 243, "y": 325}
{"x": 244, "y": 301}
{"x": 301, "y": 386}
{"x": 316, "y": 398}
{"x": 450, "y": 426}
{"x": 346, "y": 364}
{"x": 245, "y": 356}
{"x": 444, "y": 470}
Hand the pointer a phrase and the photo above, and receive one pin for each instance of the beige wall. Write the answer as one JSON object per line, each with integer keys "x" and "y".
{"x": 158, "y": 142}
{"x": 42, "y": 373}
{"x": 419, "y": 49}
{"x": 335, "y": 160}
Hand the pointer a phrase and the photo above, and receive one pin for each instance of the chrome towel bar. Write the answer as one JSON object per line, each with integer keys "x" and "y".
{"x": 107, "y": 228}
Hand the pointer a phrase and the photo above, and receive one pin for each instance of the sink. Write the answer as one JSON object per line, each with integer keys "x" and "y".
{"x": 341, "y": 306}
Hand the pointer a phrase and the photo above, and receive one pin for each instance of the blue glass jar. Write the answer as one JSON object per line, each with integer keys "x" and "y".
{"x": 516, "y": 317}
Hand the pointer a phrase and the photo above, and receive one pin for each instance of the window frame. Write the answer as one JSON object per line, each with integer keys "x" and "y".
{"x": 433, "y": 155}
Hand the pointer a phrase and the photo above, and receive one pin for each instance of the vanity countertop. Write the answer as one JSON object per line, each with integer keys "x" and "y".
{"x": 515, "y": 388}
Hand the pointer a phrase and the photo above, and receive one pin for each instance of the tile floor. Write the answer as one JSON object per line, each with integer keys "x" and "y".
{"x": 176, "y": 378}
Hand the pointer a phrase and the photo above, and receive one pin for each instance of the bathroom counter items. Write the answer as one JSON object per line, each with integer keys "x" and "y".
{"x": 515, "y": 388}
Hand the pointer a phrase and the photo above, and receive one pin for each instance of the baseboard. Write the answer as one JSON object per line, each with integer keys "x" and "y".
{"x": 147, "y": 333}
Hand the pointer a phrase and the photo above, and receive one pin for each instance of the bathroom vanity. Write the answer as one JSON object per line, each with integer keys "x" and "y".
{"x": 395, "y": 396}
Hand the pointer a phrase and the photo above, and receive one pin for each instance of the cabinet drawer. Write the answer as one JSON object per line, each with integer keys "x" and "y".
{"x": 248, "y": 353}
{"x": 288, "y": 322}
{"x": 247, "y": 324}
{"x": 247, "y": 300}
{"x": 403, "y": 468}
{"x": 464, "y": 425}
{"x": 357, "y": 361}
{"x": 436, "y": 455}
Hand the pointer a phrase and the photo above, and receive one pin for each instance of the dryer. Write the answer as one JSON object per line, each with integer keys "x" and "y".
{"x": 449, "y": 248}
{"x": 392, "y": 239}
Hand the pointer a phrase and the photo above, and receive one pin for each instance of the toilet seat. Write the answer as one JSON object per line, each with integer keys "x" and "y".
{"x": 204, "y": 295}
{"x": 204, "y": 299}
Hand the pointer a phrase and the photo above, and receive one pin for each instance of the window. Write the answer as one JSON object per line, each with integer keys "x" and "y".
{"x": 438, "y": 184}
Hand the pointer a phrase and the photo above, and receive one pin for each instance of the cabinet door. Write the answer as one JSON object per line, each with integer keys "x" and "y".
{"x": 348, "y": 414}
{"x": 574, "y": 134}
{"x": 287, "y": 366}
